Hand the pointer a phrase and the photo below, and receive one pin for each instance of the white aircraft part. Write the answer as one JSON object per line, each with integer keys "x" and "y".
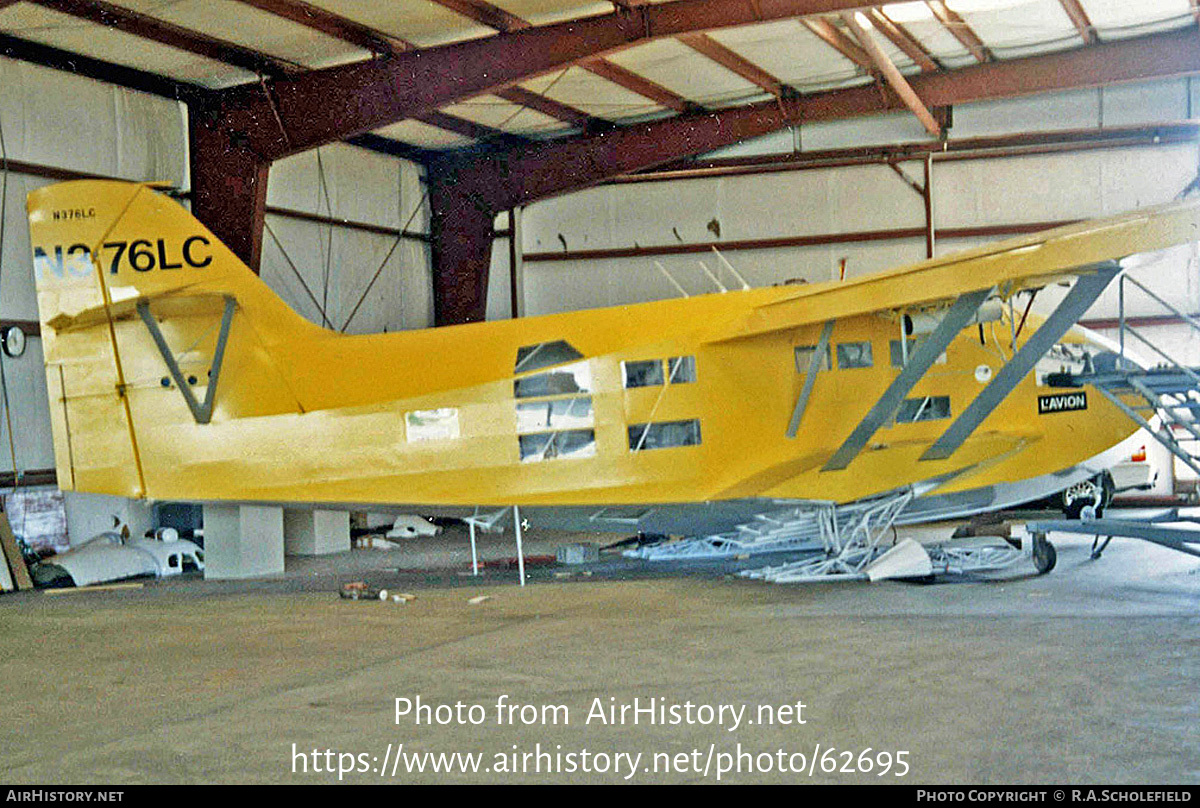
{"x": 100, "y": 562}
{"x": 170, "y": 557}
{"x": 105, "y": 558}
{"x": 411, "y": 527}
{"x": 907, "y": 559}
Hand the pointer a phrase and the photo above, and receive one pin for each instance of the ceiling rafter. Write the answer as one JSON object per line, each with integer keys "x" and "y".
{"x": 505, "y": 22}
{"x": 165, "y": 33}
{"x": 635, "y": 83}
{"x": 320, "y": 106}
{"x": 903, "y": 40}
{"x": 534, "y": 171}
{"x": 464, "y": 127}
{"x": 732, "y": 61}
{"x": 961, "y": 31}
{"x": 892, "y": 75}
{"x": 120, "y": 75}
{"x": 836, "y": 39}
{"x": 485, "y": 13}
{"x": 330, "y": 24}
{"x": 1080, "y": 18}
{"x": 548, "y": 106}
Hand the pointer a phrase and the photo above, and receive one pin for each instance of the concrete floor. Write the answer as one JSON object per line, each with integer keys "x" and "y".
{"x": 1085, "y": 675}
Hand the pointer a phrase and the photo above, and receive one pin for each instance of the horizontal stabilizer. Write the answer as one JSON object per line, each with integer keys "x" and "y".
{"x": 174, "y": 304}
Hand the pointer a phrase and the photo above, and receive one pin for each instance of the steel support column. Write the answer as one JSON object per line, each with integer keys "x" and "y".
{"x": 461, "y": 239}
{"x": 229, "y": 188}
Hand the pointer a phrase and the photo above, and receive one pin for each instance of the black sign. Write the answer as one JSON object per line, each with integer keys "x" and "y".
{"x": 1062, "y": 402}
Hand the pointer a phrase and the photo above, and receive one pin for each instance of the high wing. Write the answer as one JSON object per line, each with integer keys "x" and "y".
{"x": 1008, "y": 266}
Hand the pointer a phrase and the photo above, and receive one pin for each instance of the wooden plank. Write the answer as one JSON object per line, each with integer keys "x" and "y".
{"x": 12, "y": 553}
{"x": 69, "y": 590}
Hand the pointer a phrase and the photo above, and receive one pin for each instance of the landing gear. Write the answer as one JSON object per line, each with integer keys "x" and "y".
{"x": 1094, "y": 494}
{"x": 1044, "y": 554}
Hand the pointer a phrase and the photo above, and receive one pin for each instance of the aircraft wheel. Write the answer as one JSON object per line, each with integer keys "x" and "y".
{"x": 1044, "y": 554}
{"x": 1088, "y": 493}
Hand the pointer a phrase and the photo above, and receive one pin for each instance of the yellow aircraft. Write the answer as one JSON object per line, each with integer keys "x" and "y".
{"x": 746, "y": 419}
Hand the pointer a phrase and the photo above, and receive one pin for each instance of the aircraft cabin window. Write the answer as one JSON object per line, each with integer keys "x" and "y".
{"x": 576, "y": 378}
{"x": 558, "y": 413}
{"x": 804, "y": 357}
{"x": 681, "y": 369}
{"x": 854, "y": 355}
{"x": 664, "y": 435}
{"x": 926, "y": 408}
{"x": 898, "y": 358}
{"x": 545, "y": 354}
{"x": 648, "y": 373}
{"x": 441, "y": 424}
{"x": 568, "y": 444}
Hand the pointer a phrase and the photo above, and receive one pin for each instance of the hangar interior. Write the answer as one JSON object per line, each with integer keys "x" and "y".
{"x": 405, "y": 165}
{"x": 345, "y": 227}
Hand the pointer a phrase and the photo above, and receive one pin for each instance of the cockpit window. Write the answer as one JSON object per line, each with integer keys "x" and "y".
{"x": 647, "y": 373}
{"x": 576, "y": 378}
{"x": 545, "y": 354}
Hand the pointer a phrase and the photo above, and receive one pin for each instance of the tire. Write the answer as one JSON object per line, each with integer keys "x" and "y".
{"x": 1044, "y": 555}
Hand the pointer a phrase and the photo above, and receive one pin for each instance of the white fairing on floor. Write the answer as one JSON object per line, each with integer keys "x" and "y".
{"x": 109, "y": 558}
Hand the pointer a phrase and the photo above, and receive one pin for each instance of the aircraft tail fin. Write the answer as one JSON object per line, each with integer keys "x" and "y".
{"x": 148, "y": 320}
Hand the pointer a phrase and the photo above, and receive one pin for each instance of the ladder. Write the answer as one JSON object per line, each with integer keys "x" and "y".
{"x": 1169, "y": 391}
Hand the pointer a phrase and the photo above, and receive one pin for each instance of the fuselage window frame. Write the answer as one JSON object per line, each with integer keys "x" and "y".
{"x": 923, "y": 408}
{"x": 664, "y": 435}
{"x": 536, "y": 447}
{"x": 544, "y": 355}
{"x": 642, "y": 373}
{"x": 803, "y": 354}
{"x": 856, "y": 355}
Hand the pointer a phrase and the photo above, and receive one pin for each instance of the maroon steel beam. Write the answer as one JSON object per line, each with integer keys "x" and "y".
{"x": 229, "y": 186}
{"x": 856, "y": 237}
{"x": 491, "y": 183}
{"x": 466, "y": 128}
{"x": 485, "y": 14}
{"x": 548, "y": 106}
{"x": 541, "y": 169}
{"x": 732, "y": 61}
{"x": 156, "y": 30}
{"x": 611, "y": 71}
{"x": 1000, "y": 146}
{"x": 1080, "y": 19}
{"x": 892, "y": 75}
{"x": 320, "y": 19}
{"x": 120, "y": 75}
{"x": 461, "y": 252}
{"x": 903, "y": 40}
{"x": 834, "y": 38}
{"x": 957, "y": 26}
{"x": 27, "y": 477}
{"x": 300, "y": 112}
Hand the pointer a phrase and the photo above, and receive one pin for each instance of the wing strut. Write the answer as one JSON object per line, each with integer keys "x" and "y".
{"x": 927, "y": 352}
{"x": 1082, "y": 295}
{"x": 202, "y": 412}
{"x": 814, "y": 366}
